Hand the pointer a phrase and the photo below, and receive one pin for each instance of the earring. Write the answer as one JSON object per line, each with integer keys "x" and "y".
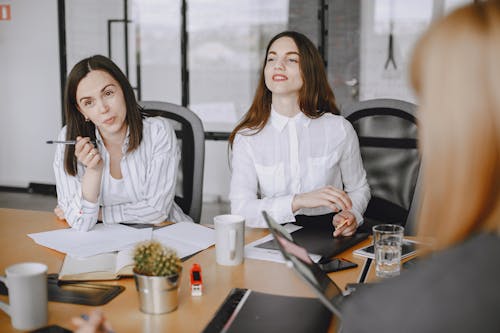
{"x": 87, "y": 119}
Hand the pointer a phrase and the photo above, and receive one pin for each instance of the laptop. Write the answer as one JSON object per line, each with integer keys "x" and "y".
{"x": 298, "y": 259}
{"x": 231, "y": 318}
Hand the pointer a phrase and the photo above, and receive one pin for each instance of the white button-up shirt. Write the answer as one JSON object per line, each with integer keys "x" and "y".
{"x": 149, "y": 179}
{"x": 291, "y": 156}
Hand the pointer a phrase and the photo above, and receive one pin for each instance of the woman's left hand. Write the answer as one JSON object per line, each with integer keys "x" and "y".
{"x": 59, "y": 213}
{"x": 345, "y": 224}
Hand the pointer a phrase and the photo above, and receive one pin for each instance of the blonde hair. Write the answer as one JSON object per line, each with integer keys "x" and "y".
{"x": 455, "y": 72}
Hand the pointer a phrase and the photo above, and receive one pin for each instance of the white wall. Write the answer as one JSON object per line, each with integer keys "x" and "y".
{"x": 217, "y": 175}
{"x": 30, "y": 102}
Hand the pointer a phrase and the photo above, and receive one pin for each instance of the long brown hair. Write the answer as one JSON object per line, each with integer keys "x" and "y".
{"x": 315, "y": 97}
{"x": 456, "y": 73}
{"x": 76, "y": 124}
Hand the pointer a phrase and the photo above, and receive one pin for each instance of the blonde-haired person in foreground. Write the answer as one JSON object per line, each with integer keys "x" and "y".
{"x": 456, "y": 74}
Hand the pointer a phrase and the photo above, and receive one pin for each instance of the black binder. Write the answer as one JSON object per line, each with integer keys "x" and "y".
{"x": 246, "y": 310}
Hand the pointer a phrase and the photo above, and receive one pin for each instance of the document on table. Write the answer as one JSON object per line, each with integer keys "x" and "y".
{"x": 254, "y": 252}
{"x": 100, "y": 239}
{"x": 185, "y": 237}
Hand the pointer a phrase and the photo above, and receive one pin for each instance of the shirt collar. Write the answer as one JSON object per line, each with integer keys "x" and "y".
{"x": 125, "y": 142}
{"x": 279, "y": 121}
{"x": 302, "y": 119}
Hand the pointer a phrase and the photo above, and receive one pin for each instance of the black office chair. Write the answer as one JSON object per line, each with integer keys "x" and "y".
{"x": 387, "y": 131}
{"x": 191, "y": 137}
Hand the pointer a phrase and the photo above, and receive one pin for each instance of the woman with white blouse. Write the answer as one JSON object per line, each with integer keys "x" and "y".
{"x": 292, "y": 154}
{"x": 123, "y": 168}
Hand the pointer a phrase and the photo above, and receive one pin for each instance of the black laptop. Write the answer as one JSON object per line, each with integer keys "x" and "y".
{"x": 297, "y": 257}
{"x": 245, "y": 310}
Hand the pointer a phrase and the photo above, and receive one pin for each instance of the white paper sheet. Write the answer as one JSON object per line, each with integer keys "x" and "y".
{"x": 253, "y": 252}
{"x": 185, "y": 237}
{"x": 101, "y": 239}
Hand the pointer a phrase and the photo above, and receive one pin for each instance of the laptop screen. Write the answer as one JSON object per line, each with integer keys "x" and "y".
{"x": 298, "y": 258}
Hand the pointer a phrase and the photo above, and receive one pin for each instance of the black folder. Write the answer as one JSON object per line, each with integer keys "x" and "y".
{"x": 250, "y": 311}
{"x": 317, "y": 237}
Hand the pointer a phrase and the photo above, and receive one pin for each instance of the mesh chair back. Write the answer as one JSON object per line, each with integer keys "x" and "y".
{"x": 387, "y": 132}
{"x": 191, "y": 138}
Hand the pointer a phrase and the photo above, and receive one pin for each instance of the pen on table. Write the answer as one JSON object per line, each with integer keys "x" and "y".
{"x": 86, "y": 318}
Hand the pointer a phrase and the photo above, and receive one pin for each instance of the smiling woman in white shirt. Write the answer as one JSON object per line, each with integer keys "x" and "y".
{"x": 292, "y": 154}
{"x": 123, "y": 167}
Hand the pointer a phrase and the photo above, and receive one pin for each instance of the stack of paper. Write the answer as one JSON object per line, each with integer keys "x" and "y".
{"x": 184, "y": 237}
{"x": 106, "y": 251}
{"x": 101, "y": 239}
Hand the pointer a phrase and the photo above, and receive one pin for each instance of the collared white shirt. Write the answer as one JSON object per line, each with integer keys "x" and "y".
{"x": 291, "y": 156}
{"x": 149, "y": 179}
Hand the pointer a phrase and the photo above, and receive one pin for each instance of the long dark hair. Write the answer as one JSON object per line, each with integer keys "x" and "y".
{"x": 315, "y": 97}
{"x": 76, "y": 124}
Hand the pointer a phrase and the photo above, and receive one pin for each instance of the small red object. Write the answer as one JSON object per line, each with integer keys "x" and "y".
{"x": 196, "y": 281}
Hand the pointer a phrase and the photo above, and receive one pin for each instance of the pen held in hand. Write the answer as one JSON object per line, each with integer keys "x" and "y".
{"x": 66, "y": 142}
{"x": 87, "y": 318}
{"x": 337, "y": 228}
{"x": 342, "y": 224}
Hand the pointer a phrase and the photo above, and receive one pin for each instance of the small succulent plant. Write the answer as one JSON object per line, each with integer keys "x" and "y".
{"x": 153, "y": 259}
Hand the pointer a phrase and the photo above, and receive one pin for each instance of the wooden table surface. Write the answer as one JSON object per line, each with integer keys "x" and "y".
{"x": 123, "y": 311}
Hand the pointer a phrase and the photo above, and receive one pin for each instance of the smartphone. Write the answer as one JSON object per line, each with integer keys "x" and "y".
{"x": 335, "y": 264}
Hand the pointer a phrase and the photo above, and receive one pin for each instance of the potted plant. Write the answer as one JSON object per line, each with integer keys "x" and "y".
{"x": 157, "y": 274}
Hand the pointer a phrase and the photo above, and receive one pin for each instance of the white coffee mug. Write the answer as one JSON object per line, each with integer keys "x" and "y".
{"x": 27, "y": 285}
{"x": 229, "y": 239}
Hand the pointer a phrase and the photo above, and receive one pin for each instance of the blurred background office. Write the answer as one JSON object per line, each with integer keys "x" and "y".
{"x": 203, "y": 54}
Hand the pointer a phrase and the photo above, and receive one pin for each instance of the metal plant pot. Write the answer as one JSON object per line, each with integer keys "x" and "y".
{"x": 157, "y": 294}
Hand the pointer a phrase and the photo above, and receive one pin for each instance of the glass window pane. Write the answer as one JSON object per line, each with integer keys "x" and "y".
{"x": 153, "y": 37}
{"x": 389, "y": 30}
{"x": 87, "y": 26}
{"x": 159, "y": 31}
{"x": 227, "y": 41}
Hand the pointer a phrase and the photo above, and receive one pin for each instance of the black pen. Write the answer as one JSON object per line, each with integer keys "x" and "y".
{"x": 86, "y": 318}
{"x": 66, "y": 142}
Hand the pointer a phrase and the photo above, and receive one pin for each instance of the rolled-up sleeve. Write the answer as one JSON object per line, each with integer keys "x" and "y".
{"x": 79, "y": 213}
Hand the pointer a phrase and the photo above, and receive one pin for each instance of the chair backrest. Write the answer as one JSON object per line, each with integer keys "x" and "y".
{"x": 191, "y": 137}
{"x": 387, "y": 132}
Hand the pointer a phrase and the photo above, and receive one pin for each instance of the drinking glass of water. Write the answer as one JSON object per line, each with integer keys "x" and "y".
{"x": 387, "y": 240}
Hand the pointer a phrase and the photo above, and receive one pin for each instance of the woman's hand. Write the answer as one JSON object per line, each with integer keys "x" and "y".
{"x": 345, "y": 224}
{"x": 95, "y": 323}
{"x": 87, "y": 154}
{"x": 59, "y": 213}
{"x": 327, "y": 196}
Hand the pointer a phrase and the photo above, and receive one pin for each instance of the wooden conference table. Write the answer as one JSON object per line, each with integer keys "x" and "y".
{"x": 193, "y": 313}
